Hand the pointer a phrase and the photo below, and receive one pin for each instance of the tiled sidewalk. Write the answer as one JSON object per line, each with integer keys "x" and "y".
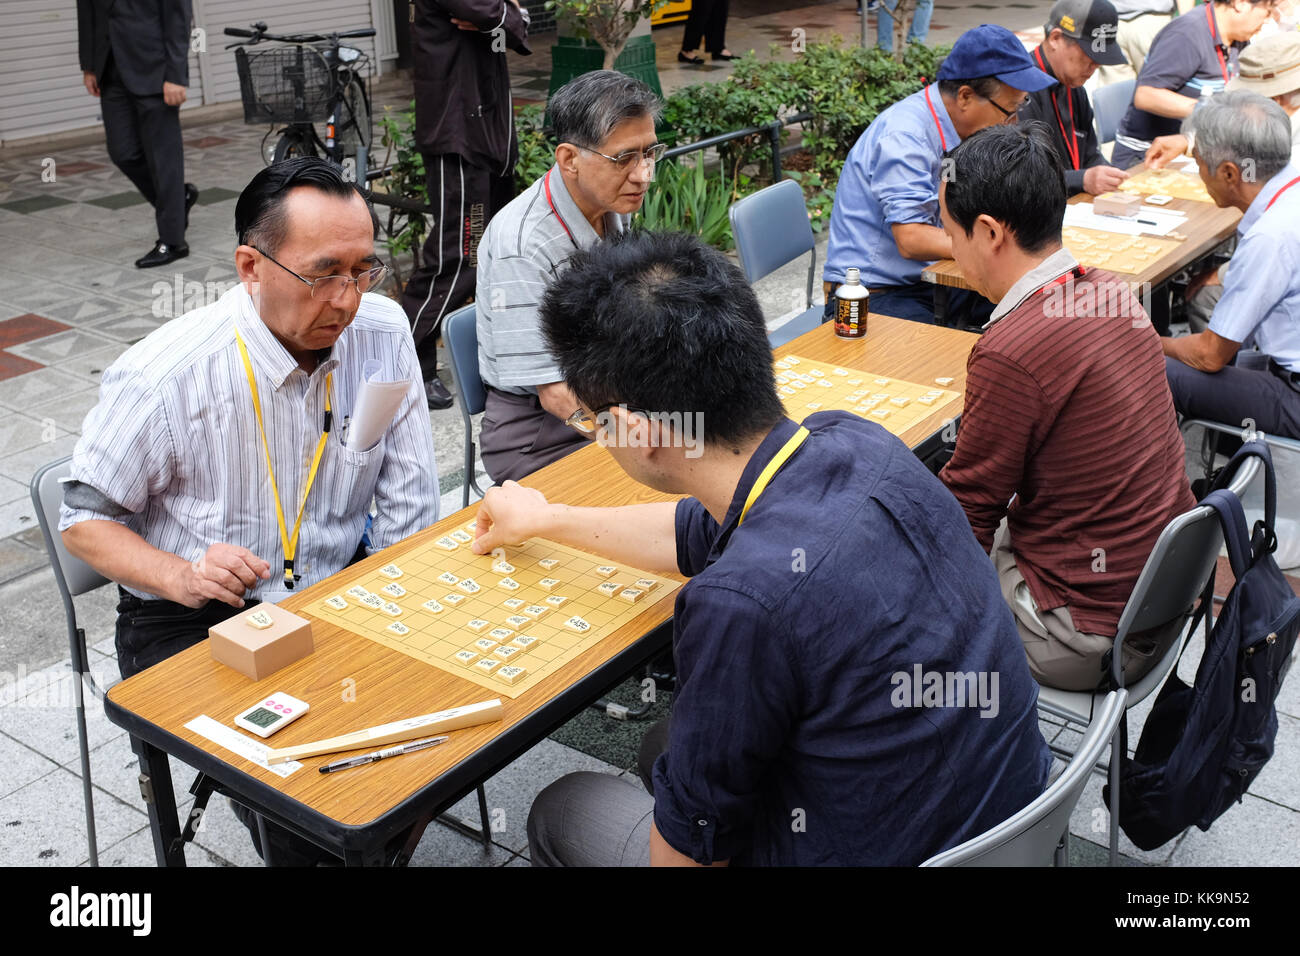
{"x": 71, "y": 302}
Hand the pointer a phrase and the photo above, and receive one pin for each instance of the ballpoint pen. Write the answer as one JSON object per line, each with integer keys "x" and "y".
{"x": 381, "y": 754}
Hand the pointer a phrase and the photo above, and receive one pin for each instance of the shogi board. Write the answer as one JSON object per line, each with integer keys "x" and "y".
{"x": 1112, "y": 251}
{"x": 1168, "y": 182}
{"x": 544, "y": 631}
{"x": 808, "y": 386}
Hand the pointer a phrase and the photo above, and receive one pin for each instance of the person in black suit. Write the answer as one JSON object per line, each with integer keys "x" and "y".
{"x": 135, "y": 57}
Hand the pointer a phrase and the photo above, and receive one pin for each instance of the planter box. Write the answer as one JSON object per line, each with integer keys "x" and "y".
{"x": 572, "y": 56}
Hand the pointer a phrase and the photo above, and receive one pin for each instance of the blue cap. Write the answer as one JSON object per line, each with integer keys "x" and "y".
{"x": 991, "y": 50}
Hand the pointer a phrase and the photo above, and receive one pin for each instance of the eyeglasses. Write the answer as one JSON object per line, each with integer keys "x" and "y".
{"x": 327, "y": 288}
{"x": 1008, "y": 116}
{"x": 623, "y": 161}
{"x": 589, "y": 422}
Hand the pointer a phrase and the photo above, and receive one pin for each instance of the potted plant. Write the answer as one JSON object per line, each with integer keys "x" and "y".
{"x": 610, "y": 35}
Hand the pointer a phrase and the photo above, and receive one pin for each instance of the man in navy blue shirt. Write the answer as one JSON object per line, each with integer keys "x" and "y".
{"x": 851, "y": 687}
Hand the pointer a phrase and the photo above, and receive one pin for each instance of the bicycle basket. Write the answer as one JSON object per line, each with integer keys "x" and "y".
{"x": 286, "y": 84}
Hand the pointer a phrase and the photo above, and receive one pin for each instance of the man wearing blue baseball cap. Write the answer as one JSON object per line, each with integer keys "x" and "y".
{"x": 886, "y": 217}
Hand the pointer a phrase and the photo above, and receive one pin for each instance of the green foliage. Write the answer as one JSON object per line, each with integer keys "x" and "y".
{"x": 844, "y": 88}
{"x": 684, "y": 198}
{"x": 406, "y": 230}
{"x": 536, "y": 149}
{"x": 818, "y": 197}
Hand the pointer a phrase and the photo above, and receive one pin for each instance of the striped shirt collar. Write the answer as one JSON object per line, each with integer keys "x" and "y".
{"x": 1055, "y": 265}
{"x": 264, "y": 350}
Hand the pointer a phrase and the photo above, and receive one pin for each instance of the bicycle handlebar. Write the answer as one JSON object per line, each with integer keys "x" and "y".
{"x": 256, "y": 36}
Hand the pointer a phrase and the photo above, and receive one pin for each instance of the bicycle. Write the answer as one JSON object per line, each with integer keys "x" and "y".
{"x": 311, "y": 79}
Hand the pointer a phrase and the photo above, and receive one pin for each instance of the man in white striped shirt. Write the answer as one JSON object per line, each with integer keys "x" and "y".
{"x": 605, "y": 124}
{"x": 209, "y": 427}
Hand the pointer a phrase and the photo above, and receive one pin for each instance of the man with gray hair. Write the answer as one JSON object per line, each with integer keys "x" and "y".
{"x": 604, "y": 124}
{"x": 1242, "y": 146}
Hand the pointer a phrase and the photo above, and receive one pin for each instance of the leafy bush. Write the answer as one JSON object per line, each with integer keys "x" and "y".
{"x": 406, "y": 230}
{"x": 536, "y": 148}
{"x": 684, "y": 198}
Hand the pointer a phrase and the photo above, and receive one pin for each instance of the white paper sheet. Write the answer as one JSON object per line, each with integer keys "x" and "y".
{"x": 376, "y": 405}
{"x": 1158, "y": 222}
{"x": 238, "y": 743}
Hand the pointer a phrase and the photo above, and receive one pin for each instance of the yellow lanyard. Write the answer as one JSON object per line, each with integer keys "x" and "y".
{"x": 290, "y": 543}
{"x": 773, "y": 466}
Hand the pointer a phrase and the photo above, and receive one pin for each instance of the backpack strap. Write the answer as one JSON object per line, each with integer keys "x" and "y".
{"x": 1233, "y": 521}
{"x": 1254, "y": 449}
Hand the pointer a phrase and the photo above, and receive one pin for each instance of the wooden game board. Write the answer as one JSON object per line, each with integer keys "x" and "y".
{"x": 1113, "y": 251}
{"x": 808, "y": 386}
{"x": 1168, "y": 182}
{"x": 503, "y": 626}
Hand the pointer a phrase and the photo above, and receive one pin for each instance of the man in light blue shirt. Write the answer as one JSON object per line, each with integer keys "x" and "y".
{"x": 1243, "y": 150}
{"x": 886, "y": 216}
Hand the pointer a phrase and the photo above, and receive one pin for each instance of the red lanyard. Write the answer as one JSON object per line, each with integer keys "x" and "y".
{"x": 1071, "y": 140}
{"x": 1280, "y": 192}
{"x": 1214, "y": 38}
{"x": 546, "y": 183}
{"x": 943, "y": 142}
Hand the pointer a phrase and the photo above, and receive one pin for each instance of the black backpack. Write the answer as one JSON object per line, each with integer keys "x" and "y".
{"x": 1202, "y": 745}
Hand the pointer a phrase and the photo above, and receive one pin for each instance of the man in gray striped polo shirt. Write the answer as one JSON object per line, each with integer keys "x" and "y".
{"x": 604, "y": 122}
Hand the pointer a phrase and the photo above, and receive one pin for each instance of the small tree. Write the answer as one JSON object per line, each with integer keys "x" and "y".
{"x": 902, "y": 14}
{"x": 608, "y": 22}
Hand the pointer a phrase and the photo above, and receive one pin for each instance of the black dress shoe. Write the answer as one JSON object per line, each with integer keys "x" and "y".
{"x": 191, "y": 197}
{"x": 725, "y": 56}
{"x": 161, "y": 254}
{"x": 437, "y": 394}
{"x": 692, "y": 60}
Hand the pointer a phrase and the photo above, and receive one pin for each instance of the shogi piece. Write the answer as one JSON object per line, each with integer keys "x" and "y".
{"x": 261, "y": 640}
{"x": 1125, "y": 205}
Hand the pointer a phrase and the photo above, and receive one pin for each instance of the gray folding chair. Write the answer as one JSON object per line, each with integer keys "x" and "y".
{"x": 1039, "y": 834}
{"x": 460, "y": 332}
{"x": 771, "y": 228}
{"x": 1109, "y": 104}
{"x": 73, "y": 577}
{"x": 1210, "y": 429}
{"x": 1163, "y": 598}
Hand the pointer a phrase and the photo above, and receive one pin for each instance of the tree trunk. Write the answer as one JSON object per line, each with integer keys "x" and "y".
{"x": 902, "y": 14}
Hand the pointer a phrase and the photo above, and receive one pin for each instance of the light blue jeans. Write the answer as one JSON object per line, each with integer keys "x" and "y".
{"x": 919, "y": 30}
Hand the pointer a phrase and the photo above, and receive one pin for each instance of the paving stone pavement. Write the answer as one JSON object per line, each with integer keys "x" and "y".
{"x": 76, "y": 303}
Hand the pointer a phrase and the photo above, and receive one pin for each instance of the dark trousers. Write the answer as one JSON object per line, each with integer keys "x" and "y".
{"x": 519, "y": 436}
{"x": 1248, "y": 391}
{"x": 707, "y": 19}
{"x": 915, "y": 303}
{"x": 143, "y": 135}
{"x": 466, "y": 196}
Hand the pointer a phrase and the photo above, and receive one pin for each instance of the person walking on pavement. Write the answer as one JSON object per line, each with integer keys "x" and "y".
{"x": 708, "y": 21}
{"x": 464, "y": 128}
{"x": 135, "y": 57}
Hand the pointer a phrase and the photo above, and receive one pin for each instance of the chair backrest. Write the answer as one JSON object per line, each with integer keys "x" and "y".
{"x": 1176, "y": 571}
{"x": 72, "y": 575}
{"x": 460, "y": 332}
{"x": 1109, "y": 104}
{"x": 771, "y": 228}
{"x": 1031, "y": 836}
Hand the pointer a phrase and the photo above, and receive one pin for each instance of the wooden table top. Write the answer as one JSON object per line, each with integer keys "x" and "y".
{"x": 1207, "y": 225}
{"x": 354, "y": 683}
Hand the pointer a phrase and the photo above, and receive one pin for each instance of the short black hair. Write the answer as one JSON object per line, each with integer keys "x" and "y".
{"x": 985, "y": 86}
{"x": 664, "y": 323}
{"x": 1012, "y": 173}
{"x": 259, "y": 214}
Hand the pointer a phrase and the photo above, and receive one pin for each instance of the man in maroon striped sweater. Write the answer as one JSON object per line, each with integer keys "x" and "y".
{"x": 1069, "y": 461}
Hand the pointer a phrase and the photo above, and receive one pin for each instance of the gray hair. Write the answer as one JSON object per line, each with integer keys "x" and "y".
{"x": 586, "y": 110}
{"x": 1245, "y": 129}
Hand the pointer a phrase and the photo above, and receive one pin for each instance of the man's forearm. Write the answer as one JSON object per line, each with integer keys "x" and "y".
{"x": 1203, "y": 351}
{"x": 121, "y": 555}
{"x": 924, "y": 243}
{"x": 1163, "y": 102}
{"x": 641, "y": 535}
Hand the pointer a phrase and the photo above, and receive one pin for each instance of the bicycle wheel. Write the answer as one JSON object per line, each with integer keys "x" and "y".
{"x": 353, "y": 125}
{"x": 291, "y": 145}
